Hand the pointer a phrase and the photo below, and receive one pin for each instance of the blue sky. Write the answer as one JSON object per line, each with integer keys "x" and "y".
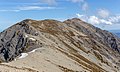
{"x": 101, "y": 13}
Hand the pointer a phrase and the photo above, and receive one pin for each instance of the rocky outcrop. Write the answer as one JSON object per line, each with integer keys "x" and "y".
{"x": 15, "y": 40}
{"x": 83, "y": 46}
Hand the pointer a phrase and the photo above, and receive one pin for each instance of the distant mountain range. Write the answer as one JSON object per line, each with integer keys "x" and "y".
{"x": 116, "y": 32}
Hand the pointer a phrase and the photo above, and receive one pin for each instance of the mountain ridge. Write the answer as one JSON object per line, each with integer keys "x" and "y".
{"x": 83, "y": 45}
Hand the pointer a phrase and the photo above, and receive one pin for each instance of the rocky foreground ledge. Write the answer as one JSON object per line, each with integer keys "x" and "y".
{"x": 54, "y": 46}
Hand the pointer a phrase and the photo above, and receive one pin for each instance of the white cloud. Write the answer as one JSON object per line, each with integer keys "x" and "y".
{"x": 114, "y": 19}
{"x": 76, "y": 1}
{"x": 34, "y": 8}
{"x": 102, "y": 21}
{"x": 28, "y": 8}
{"x": 103, "y": 18}
{"x": 78, "y": 15}
{"x": 94, "y": 19}
{"x": 85, "y": 6}
{"x": 82, "y": 17}
{"x": 9, "y": 10}
{"x": 50, "y": 2}
{"x": 103, "y": 13}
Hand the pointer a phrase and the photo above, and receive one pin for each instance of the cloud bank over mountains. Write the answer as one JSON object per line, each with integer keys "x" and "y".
{"x": 97, "y": 20}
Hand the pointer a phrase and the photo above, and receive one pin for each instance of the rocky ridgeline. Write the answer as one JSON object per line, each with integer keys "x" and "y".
{"x": 70, "y": 37}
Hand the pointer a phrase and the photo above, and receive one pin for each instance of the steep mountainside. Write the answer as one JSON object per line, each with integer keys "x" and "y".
{"x": 54, "y": 46}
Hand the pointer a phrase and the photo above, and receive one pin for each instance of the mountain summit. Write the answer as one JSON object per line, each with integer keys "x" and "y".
{"x": 54, "y": 46}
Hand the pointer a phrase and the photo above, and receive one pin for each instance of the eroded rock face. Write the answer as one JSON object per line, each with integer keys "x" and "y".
{"x": 14, "y": 40}
{"x": 89, "y": 47}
